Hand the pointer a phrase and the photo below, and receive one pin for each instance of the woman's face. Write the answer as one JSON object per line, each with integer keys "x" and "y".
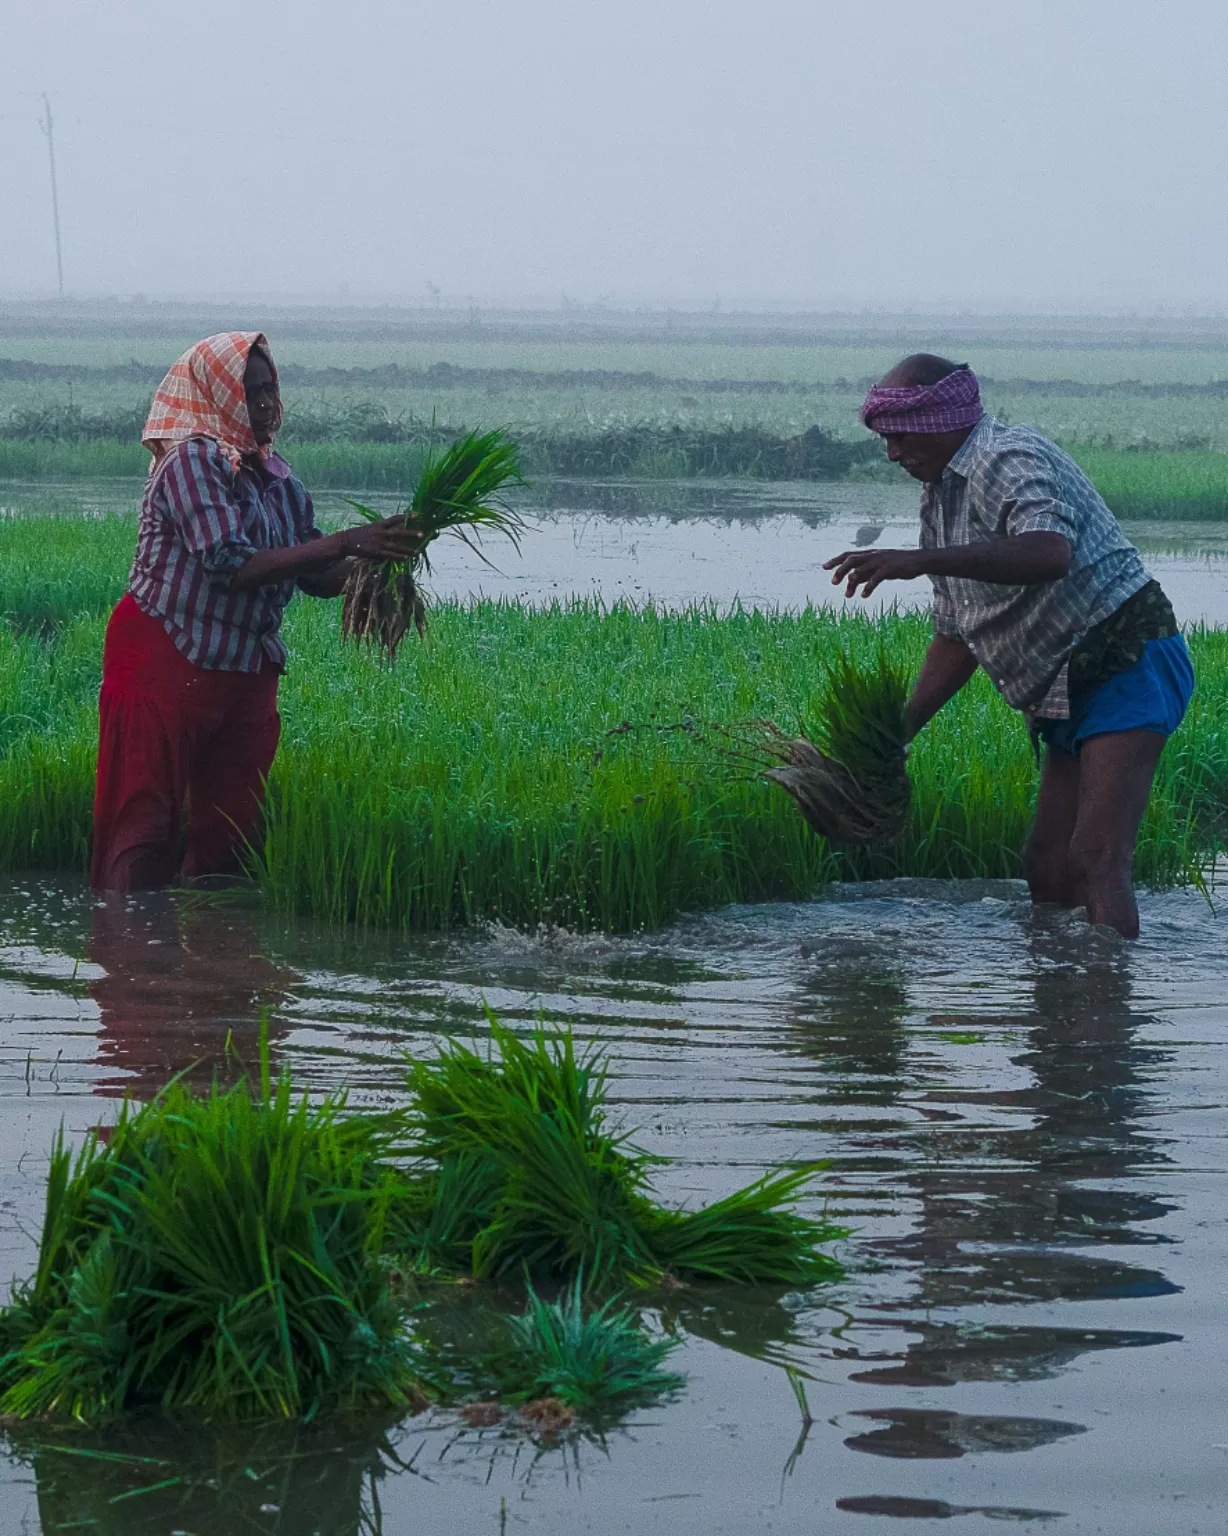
{"x": 263, "y": 400}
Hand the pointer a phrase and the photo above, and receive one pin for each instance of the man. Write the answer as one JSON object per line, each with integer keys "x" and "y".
{"x": 1034, "y": 581}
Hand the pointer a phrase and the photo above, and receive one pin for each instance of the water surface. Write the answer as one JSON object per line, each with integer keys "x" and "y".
{"x": 762, "y": 544}
{"x": 1025, "y": 1122}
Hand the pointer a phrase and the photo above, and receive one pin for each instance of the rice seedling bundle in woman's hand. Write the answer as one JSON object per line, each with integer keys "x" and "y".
{"x": 458, "y": 493}
{"x": 851, "y": 782}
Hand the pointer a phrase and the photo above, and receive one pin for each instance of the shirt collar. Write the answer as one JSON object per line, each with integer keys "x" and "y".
{"x": 961, "y": 461}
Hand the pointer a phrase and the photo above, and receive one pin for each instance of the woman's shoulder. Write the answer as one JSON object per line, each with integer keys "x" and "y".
{"x": 196, "y": 469}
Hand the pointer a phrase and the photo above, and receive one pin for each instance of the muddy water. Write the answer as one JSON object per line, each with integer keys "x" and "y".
{"x": 1026, "y": 1125}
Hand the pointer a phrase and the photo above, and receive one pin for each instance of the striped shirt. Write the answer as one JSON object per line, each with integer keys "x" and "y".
{"x": 201, "y": 521}
{"x": 1011, "y": 480}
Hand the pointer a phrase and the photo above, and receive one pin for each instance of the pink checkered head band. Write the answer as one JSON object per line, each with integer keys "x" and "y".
{"x": 952, "y": 403}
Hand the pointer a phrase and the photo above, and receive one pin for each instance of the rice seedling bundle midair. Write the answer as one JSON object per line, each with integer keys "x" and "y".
{"x": 850, "y": 783}
{"x": 521, "y": 1173}
{"x": 460, "y": 492}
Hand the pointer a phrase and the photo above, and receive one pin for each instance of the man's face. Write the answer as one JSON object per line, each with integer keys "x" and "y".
{"x": 263, "y": 400}
{"x": 924, "y": 455}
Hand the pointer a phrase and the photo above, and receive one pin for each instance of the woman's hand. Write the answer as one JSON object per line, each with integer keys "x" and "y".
{"x": 387, "y": 540}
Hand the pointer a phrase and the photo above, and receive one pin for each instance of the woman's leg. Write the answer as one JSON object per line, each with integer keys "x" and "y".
{"x": 227, "y": 777}
{"x": 146, "y": 725}
{"x": 138, "y": 794}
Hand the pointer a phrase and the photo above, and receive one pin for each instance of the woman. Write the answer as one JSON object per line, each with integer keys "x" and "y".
{"x": 188, "y": 721}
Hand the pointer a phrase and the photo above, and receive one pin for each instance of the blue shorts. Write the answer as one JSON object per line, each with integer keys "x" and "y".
{"x": 1152, "y": 696}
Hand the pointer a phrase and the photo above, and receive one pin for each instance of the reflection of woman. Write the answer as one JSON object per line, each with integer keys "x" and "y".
{"x": 188, "y": 710}
{"x": 182, "y": 989}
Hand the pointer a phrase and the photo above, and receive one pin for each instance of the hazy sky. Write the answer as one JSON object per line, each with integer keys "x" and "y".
{"x": 1070, "y": 152}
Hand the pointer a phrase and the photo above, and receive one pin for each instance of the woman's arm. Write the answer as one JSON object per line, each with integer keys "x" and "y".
{"x": 319, "y": 560}
{"x": 947, "y": 667}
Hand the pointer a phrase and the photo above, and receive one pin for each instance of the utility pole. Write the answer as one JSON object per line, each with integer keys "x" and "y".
{"x": 48, "y": 128}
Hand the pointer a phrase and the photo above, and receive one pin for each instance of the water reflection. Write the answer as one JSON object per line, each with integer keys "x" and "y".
{"x": 163, "y": 1481}
{"x": 932, "y": 1434}
{"x": 1010, "y": 1198}
{"x": 184, "y": 984}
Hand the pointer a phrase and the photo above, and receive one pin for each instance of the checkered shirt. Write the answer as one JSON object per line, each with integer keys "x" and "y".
{"x": 201, "y": 521}
{"x": 1011, "y": 480}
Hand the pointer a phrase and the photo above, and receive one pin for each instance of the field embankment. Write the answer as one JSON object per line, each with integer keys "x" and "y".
{"x": 1155, "y": 449}
{"x": 517, "y": 765}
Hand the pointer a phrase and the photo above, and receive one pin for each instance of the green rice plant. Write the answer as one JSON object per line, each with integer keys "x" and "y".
{"x": 485, "y": 778}
{"x": 219, "y": 1257}
{"x": 753, "y": 1236}
{"x": 517, "y": 1153}
{"x": 459, "y": 493}
{"x": 53, "y": 569}
{"x": 852, "y": 787}
{"x": 592, "y": 1359}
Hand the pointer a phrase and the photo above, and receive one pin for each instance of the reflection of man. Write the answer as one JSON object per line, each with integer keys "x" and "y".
{"x": 1035, "y": 582}
{"x": 179, "y": 980}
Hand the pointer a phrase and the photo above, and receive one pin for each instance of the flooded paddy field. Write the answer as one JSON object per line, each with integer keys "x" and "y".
{"x": 681, "y": 542}
{"x": 1024, "y": 1119}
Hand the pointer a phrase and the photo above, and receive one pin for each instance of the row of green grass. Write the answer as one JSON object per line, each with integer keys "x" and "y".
{"x": 1172, "y": 485}
{"x": 519, "y": 764}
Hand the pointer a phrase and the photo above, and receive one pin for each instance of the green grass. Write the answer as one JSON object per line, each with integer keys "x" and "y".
{"x": 1188, "y": 484}
{"x": 220, "y": 1257}
{"x": 479, "y": 779}
{"x": 229, "y": 1257}
{"x": 521, "y": 1173}
{"x": 1192, "y": 485}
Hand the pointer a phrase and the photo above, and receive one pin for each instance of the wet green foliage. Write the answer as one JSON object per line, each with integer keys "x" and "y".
{"x": 217, "y": 1256}
{"x": 490, "y": 775}
{"x": 859, "y": 720}
{"x": 596, "y": 1359}
{"x": 521, "y": 1172}
{"x": 229, "y": 1257}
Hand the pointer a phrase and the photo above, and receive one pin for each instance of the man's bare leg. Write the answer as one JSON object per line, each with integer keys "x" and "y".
{"x": 1046, "y": 858}
{"x": 1114, "y": 783}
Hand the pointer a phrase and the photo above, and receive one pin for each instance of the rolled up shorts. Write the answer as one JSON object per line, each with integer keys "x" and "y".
{"x": 1153, "y": 695}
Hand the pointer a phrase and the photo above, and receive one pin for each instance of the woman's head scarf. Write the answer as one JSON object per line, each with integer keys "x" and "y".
{"x": 203, "y": 396}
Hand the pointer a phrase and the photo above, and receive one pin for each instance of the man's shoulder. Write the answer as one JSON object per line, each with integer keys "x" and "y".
{"x": 998, "y": 452}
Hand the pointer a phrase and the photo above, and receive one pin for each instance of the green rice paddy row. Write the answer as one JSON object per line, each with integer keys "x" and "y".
{"x": 1190, "y": 485}
{"x": 520, "y": 764}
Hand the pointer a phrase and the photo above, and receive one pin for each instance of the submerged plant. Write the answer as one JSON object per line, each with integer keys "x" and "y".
{"x": 521, "y": 1173}
{"x": 587, "y": 1360}
{"x": 851, "y": 782}
{"x": 220, "y": 1256}
{"x": 459, "y": 493}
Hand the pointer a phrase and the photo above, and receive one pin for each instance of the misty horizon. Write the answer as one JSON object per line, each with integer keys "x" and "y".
{"x": 1066, "y": 159}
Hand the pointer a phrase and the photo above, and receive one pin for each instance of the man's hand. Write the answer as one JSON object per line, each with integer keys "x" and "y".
{"x": 866, "y": 568}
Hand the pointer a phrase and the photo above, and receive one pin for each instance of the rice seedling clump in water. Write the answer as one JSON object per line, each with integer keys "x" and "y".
{"x": 520, "y": 1173}
{"x": 851, "y": 783}
{"x": 219, "y": 1256}
{"x": 459, "y": 493}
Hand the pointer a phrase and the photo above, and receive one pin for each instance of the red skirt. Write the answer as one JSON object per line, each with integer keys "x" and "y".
{"x": 183, "y": 755}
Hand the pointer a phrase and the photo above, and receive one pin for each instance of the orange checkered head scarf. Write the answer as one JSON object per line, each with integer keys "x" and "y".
{"x": 203, "y": 396}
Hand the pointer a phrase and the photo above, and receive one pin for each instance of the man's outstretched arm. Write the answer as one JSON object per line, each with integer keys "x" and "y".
{"x": 1021, "y": 559}
{"x": 947, "y": 667}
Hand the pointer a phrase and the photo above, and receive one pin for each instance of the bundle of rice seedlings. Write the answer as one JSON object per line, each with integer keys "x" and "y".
{"x": 520, "y": 1172}
{"x": 594, "y": 1360}
{"x": 219, "y": 1257}
{"x": 587, "y": 1359}
{"x": 458, "y": 493}
{"x": 851, "y": 782}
